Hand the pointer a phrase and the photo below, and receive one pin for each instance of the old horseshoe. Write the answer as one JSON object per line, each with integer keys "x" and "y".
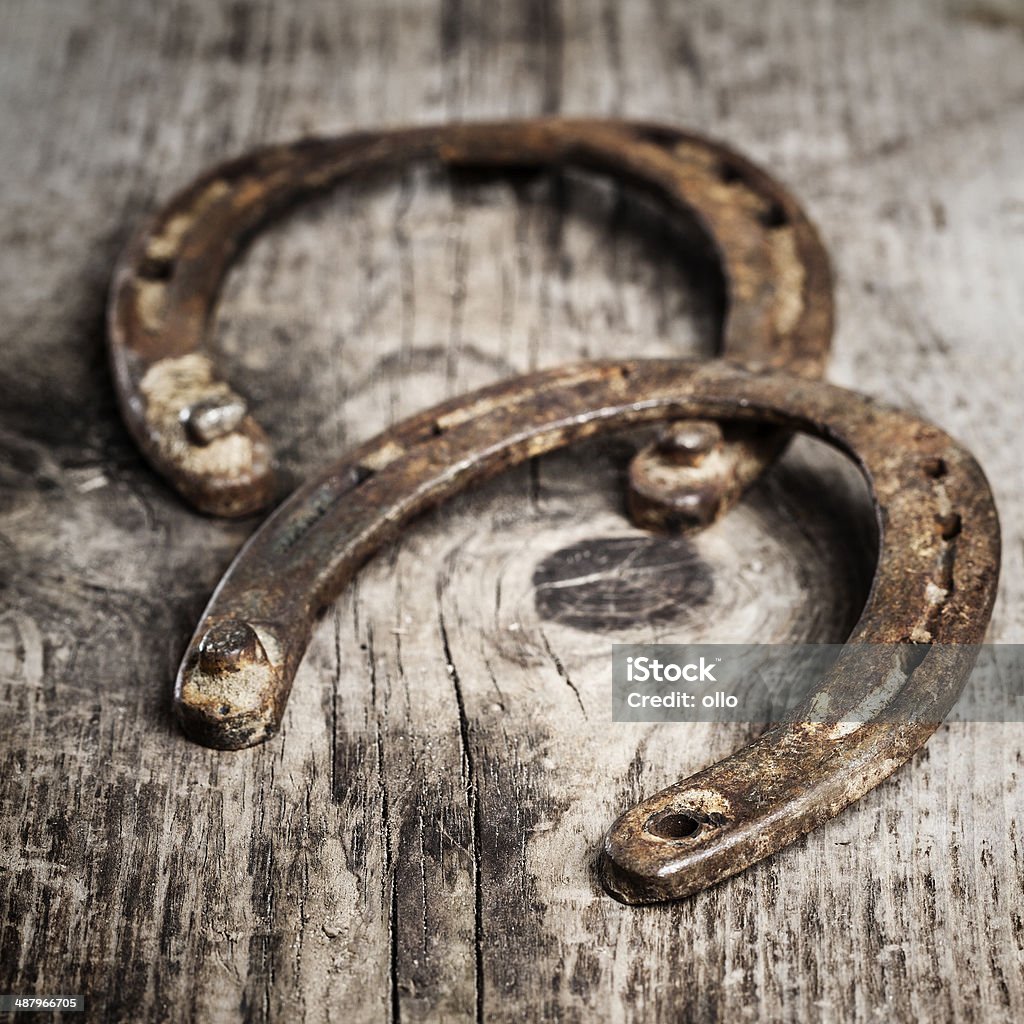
{"x": 197, "y": 431}
{"x": 934, "y": 586}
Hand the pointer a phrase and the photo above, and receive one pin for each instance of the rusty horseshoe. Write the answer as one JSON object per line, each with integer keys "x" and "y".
{"x": 934, "y": 587}
{"x": 196, "y": 430}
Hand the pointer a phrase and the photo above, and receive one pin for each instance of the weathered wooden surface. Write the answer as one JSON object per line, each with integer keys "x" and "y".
{"x": 419, "y": 843}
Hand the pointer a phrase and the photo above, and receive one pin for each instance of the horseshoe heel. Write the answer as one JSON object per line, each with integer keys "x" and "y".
{"x": 934, "y": 587}
{"x": 196, "y": 429}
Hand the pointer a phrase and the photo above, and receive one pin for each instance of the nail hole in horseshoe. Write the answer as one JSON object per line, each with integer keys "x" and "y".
{"x": 674, "y": 825}
{"x": 935, "y": 468}
{"x": 728, "y": 174}
{"x": 950, "y": 525}
{"x": 154, "y": 269}
{"x": 657, "y": 135}
{"x": 773, "y": 216}
{"x": 911, "y": 655}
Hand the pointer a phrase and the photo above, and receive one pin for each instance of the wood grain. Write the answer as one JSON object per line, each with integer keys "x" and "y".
{"x": 419, "y": 842}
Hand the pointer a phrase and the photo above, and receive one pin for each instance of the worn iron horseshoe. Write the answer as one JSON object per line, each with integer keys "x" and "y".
{"x": 934, "y": 586}
{"x": 196, "y": 430}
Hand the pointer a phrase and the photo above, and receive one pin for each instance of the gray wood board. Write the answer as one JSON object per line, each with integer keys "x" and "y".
{"x": 420, "y": 841}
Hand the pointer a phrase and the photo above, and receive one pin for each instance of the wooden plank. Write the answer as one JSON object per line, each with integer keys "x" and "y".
{"x": 419, "y": 843}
